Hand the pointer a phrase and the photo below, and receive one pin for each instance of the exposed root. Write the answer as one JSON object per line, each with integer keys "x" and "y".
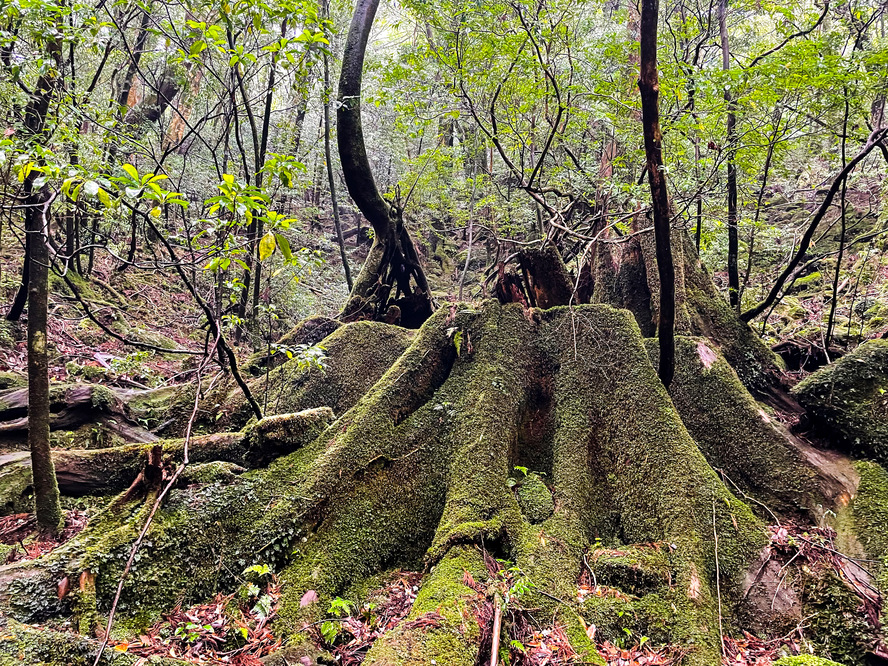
{"x": 415, "y": 473}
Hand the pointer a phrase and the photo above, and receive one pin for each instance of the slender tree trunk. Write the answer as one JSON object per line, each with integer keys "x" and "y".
{"x": 393, "y": 261}
{"x": 21, "y": 296}
{"x": 649, "y": 85}
{"x": 730, "y": 140}
{"x": 46, "y": 490}
{"x": 766, "y": 171}
{"x": 835, "y": 285}
{"x": 337, "y": 224}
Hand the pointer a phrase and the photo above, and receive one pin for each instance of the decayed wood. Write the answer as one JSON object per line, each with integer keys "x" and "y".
{"x": 71, "y": 408}
{"x": 85, "y": 472}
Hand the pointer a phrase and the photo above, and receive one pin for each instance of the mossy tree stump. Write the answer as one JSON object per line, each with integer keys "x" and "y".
{"x": 415, "y": 473}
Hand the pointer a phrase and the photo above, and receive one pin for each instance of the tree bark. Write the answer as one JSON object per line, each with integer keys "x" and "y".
{"x": 393, "y": 262}
{"x": 46, "y": 490}
{"x": 730, "y": 140}
{"x": 337, "y": 224}
{"x": 37, "y": 203}
{"x": 649, "y": 85}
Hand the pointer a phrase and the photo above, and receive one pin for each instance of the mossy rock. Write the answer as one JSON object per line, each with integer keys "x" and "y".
{"x": 812, "y": 281}
{"x": 10, "y": 380}
{"x": 848, "y": 400}
{"x": 875, "y": 310}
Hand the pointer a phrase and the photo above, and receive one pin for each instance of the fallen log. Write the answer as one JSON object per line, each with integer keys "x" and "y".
{"x": 99, "y": 471}
{"x": 71, "y": 406}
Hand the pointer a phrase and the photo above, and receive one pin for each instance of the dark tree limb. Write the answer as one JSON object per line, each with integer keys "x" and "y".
{"x": 793, "y": 36}
{"x": 649, "y": 86}
{"x": 874, "y": 140}
{"x": 393, "y": 262}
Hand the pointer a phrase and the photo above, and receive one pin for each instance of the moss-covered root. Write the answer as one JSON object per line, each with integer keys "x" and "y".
{"x": 418, "y": 470}
{"x": 647, "y": 480}
{"x": 453, "y": 638}
{"x": 21, "y": 645}
{"x": 847, "y": 400}
{"x": 748, "y": 446}
{"x": 357, "y": 356}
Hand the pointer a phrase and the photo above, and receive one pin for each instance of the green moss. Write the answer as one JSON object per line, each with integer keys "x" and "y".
{"x": 414, "y": 472}
{"x": 15, "y": 484}
{"x": 535, "y": 499}
{"x": 848, "y": 399}
{"x": 455, "y": 640}
{"x": 736, "y": 434}
{"x": 837, "y": 627}
{"x": 21, "y": 645}
{"x": 153, "y": 407}
{"x": 358, "y": 355}
{"x": 635, "y": 570}
{"x": 870, "y": 508}
{"x": 805, "y": 660}
{"x": 9, "y": 380}
{"x": 212, "y": 472}
{"x": 307, "y": 332}
{"x": 808, "y": 282}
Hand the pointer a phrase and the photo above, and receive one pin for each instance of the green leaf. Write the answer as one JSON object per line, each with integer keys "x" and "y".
{"x": 266, "y": 246}
{"x": 131, "y": 171}
{"x": 284, "y": 244}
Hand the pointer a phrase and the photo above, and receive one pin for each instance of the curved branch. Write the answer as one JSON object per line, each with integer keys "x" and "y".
{"x": 874, "y": 140}
{"x": 350, "y": 136}
{"x": 786, "y": 41}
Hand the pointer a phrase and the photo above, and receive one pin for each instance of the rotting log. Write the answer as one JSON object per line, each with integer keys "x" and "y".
{"x": 102, "y": 471}
{"x": 71, "y": 406}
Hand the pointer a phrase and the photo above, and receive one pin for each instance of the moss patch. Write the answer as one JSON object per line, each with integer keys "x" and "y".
{"x": 805, "y": 660}
{"x": 849, "y": 399}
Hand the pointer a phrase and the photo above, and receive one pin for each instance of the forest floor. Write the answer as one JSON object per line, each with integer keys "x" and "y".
{"x": 234, "y": 629}
{"x": 148, "y": 306}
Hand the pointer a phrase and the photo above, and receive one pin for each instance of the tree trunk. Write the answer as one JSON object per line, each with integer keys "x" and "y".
{"x": 393, "y": 263}
{"x": 649, "y": 85}
{"x": 419, "y": 472}
{"x": 46, "y": 490}
{"x": 730, "y": 141}
{"x": 331, "y": 178}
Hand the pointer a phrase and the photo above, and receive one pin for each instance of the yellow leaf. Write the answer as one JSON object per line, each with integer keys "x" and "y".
{"x": 266, "y": 246}
{"x": 122, "y": 647}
